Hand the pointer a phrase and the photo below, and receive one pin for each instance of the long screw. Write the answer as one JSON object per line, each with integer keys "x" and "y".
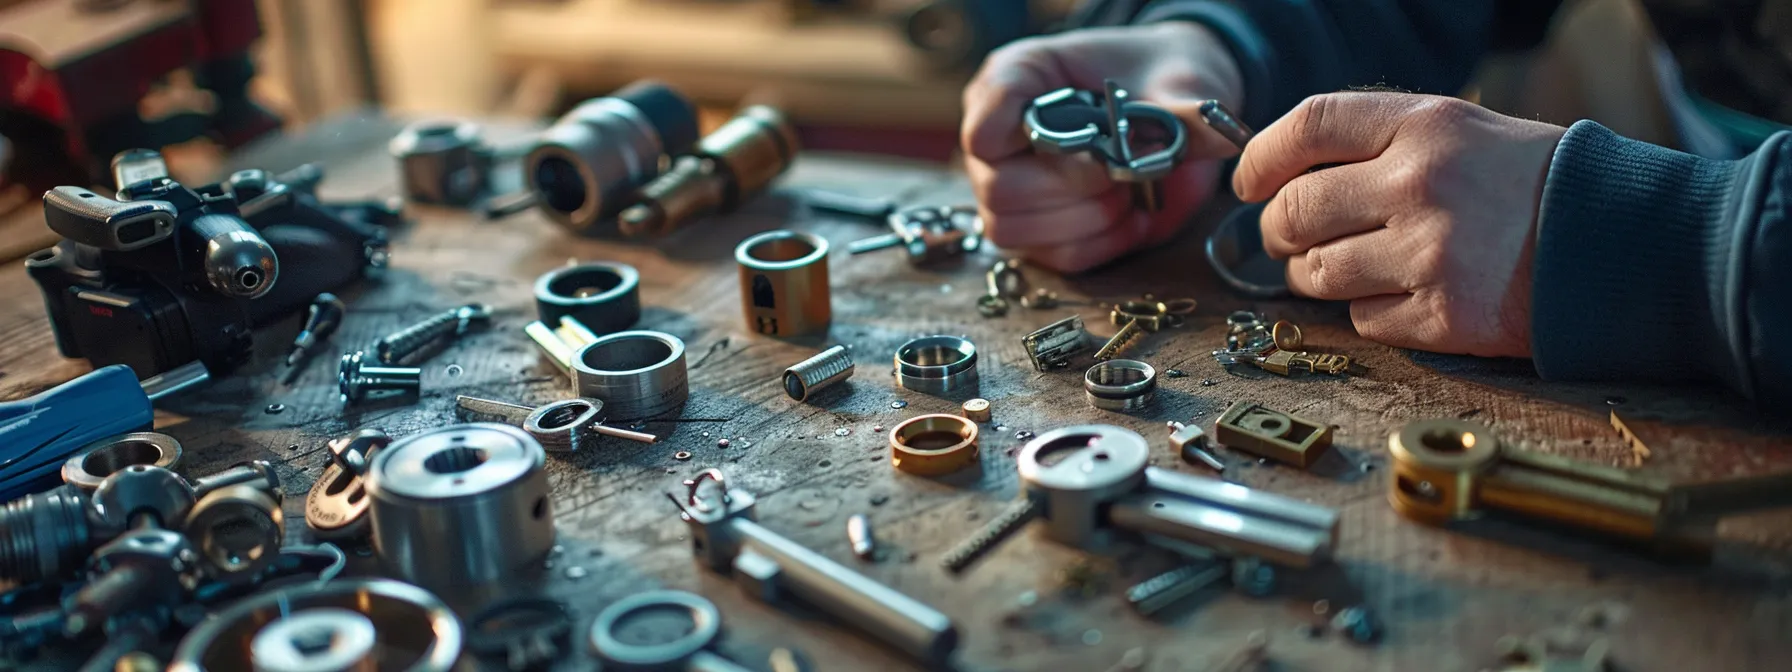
{"x": 998, "y": 529}
{"x": 355, "y": 379}
{"x": 448, "y": 324}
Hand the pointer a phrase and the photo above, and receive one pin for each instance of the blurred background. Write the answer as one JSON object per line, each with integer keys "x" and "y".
{"x": 83, "y": 78}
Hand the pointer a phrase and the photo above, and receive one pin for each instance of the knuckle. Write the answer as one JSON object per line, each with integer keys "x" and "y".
{"x": 1309, "y": 117}
{"x": 1331, "y": 273}
{"x": 1441, "y": 111}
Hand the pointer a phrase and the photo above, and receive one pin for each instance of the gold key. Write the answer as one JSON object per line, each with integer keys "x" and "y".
{"x": 1128, "y": 335}
{"x": 1446, "y": 469}
{"x": 1284, "y": 362}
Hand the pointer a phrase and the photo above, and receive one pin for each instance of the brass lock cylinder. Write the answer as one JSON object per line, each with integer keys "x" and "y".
{"x": 784, "y": 283}
{"x": 729, "y": 165}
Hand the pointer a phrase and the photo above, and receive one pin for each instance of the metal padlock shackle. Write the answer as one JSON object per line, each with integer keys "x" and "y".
{"x": 1115, "y": 152}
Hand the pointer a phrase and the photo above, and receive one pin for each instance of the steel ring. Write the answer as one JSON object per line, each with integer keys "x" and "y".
{"x": 605, "y": 297}
{"x": 216, "y": 525}
{"x": 95, "y": 461}
{"x": 565, "y": 426}
{"x": 933, "y": 445}
{"x": 937, "y": 365}
{"x": 1120, "y": 385}
{"x": 419, "y": 632}
{"x": 706, "y": 625}
{"x": 636, "y": 374}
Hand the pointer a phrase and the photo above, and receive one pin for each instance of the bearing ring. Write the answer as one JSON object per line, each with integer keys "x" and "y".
{"x": 605, "y": 297}
{"x": 937, "y": 365}
{"x": 784, "y": 283}
{"x": 215, "y": 523}
{"x": 1123, "y": 385}
{"x": 416, "y": 631}
{"x": 565, "y": 426}
{"x": 460, "y": 506}
{"x": 636, "y": 374}
{"x": 95, "y": 461}
{"x": 933, "y": 445}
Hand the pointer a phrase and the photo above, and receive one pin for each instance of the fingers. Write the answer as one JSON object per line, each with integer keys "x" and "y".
{"x": 1069, "y": 223}
{"x": 1088, "y": 253}
{"x": 1363, "y": 265}
{"x": 1036, "y": 182}
{"x": 1326, "y": 204}
{"x": 1399, "y": 320}
{"x": 1328, "y": 128}
{"x": 993, "y": 101}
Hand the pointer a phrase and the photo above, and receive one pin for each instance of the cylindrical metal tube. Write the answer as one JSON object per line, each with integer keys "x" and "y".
{"x": 565, "y": 426}
{"x": 441, "y": 162}
{"x": 604, "y": 297}
{"x": 816, "y": 373}
{"x": 460, "y": 506}
{"x": 637, "y": 374}
{"x": 890, "y": 616}
{"x": 784, "y": 283}
{"x": 1120, "y": 385}
{"x": 585, "y": 166}
{"x": 95, "y": 461}
{"x": 937, "y": 365}
{"x": 43, "y": 535}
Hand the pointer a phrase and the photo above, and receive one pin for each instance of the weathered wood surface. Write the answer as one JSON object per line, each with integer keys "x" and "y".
{"x": 1446, "y": 596}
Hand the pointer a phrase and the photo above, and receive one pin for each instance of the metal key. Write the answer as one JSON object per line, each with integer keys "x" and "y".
{"x": 613, "y": 638}
{"x": 515, "y": 414}
{"x": 928, "y": 233}
{"x": 1104, "y": 124}
{"x": 1447, "y": 469}
{"x": 1093, "y": 480}
{"x": 725, "y": 537}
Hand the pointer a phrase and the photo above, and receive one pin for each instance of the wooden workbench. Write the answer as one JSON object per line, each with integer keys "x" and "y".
{"x": 1445, "y": 596}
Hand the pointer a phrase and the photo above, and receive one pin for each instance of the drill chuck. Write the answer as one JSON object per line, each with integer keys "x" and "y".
{"x": 237, "y": 261}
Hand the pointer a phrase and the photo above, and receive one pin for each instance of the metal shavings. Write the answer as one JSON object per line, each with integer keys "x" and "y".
{"x": 1175, "y": 373}
{"x": 842, "y": 432}
{"x": 1209, "y": 382}
{"x": 275, "y": 409}
{"x": 899, "y": 404}
{"x": 1024, "y": 435}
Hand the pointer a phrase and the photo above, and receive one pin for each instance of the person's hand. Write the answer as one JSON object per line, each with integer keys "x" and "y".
{"x": 1064, "y": 212}
{"x": 1427, "y": 230}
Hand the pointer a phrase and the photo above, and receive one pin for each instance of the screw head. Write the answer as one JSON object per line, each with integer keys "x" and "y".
{"x": 348, "y": 376}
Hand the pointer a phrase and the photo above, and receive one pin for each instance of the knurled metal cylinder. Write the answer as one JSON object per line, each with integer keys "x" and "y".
{"x": 814, "y": 374}
{"x": 784, "y": 283}
{"x": 43, "y": 535}
{"x": 460, "y": 506}
{"x": 1122, "y": 385}
{"x": 636, "y": 374}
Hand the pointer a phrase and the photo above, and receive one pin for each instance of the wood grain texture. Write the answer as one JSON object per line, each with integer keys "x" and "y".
{"x": 1446, "y": 596}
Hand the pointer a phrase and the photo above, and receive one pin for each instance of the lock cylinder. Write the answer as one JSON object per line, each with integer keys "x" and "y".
{"x": 784, "y": 283}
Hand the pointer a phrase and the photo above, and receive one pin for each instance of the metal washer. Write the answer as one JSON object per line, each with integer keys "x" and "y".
{"x": 706, "y": 625}
{"x": 603, "y": 296}
{"x": 113, "y": 454}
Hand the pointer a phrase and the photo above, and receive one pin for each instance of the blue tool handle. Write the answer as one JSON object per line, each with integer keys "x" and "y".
{"x": 38, "y": 433}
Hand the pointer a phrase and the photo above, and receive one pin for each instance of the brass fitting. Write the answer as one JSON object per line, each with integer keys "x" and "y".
{"x": 784, "y": 283}
{"x": 733, "y": 163}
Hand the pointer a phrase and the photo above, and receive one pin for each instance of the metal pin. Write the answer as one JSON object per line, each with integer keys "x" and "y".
{"x": 515, "y": 414}
{"x": 551, "y": 345}
{"x": 1222, "y": 121}
{"x": 858, "y": 531}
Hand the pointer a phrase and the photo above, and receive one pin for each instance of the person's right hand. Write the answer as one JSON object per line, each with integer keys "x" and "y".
{"x": 1064, "y": 212}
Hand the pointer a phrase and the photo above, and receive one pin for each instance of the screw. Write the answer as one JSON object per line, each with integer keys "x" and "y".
{"x": 999, "y": 528}
{"x": 447, "y": 324}
{"x": 355, "y": 379}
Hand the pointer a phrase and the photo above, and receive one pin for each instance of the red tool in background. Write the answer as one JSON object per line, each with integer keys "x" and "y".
{"x": 74, "y": 75}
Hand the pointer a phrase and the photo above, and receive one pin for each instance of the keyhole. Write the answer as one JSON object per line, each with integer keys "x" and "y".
{"x": 763, "y": 296}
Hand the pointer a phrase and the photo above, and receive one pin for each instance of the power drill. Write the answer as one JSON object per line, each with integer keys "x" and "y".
{"x": 165, "y": 274}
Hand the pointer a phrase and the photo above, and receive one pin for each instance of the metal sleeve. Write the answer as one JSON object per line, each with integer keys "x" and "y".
{"x": 784, "y": 283}
{"x": 637, "y": 374}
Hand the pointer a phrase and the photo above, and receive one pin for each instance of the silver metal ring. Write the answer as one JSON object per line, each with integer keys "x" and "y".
{"x": 706, "y": 625}
{"x": 937, "y": 365}
{"x": 218, "y": 525}
{"x": 316, "y": 640}
{"x": 95, "y": 461}
{"x": 1120, "y": 385}
{"x": 565, "y": 426}
{"x": 604, "y": 297}
{"x": 637, "y": 374}
{"x": 417, "y": 632}
{"x": 460, "y": 506}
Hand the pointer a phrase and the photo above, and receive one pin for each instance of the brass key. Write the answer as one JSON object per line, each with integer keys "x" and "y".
{"x": 1448, "y": 469}
{"x": 1284, "y": 362}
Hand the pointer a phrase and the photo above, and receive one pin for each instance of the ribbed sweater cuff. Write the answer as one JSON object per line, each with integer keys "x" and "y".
{"x": 1256, "y": 61}
{"x": 1633, "y": 260}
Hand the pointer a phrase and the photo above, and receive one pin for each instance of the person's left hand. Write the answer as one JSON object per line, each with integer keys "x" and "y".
{"x": 1427, "y": 229}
